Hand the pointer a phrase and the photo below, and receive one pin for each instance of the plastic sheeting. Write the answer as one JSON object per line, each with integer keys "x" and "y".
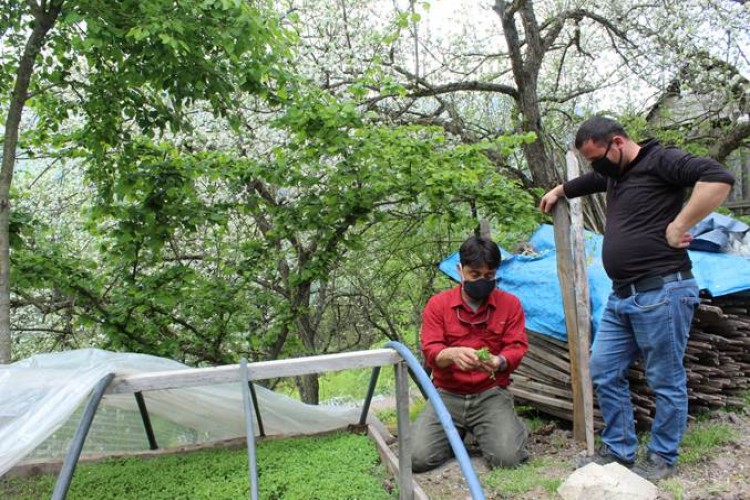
{"x": 39, "y": 395}
{"x": 533, "y": 279}
{"x": 715, "y": 232}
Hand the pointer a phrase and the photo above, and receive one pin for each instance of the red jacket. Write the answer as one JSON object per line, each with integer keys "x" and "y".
{"x": 499, "y": 325}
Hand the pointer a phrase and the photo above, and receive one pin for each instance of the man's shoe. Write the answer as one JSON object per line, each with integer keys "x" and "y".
{"x": 654, "y": 468}
{"x": 602, "y": 456}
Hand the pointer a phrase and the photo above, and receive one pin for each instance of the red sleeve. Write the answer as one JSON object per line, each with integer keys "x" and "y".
{"x": 516, "y": 342}
{"x": 433, "y": 331}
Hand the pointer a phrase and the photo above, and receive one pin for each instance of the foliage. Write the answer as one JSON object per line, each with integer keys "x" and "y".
{"x": 136, "y": 65}
{"x": 109, "y": 74}
{"x": 206, "y": 256}
{"x": 291, "y": 193}
{"x": 351, "y": 385}
{"x": 338, "y": 466}
{"x": 483, "y": 354}
{"x": 537, "y": 67}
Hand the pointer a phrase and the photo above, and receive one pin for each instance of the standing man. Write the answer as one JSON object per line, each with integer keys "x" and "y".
{"x": 654, "y": 294}
{"x": 457, "y": 323}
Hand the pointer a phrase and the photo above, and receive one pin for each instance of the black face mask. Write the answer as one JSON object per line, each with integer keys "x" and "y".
{"x": 607, "y": 167}
{"x": 479, "y": 289}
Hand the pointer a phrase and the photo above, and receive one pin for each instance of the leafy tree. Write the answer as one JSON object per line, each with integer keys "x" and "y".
{"x": 204, "y": 246}
{"x": 205, "y": 256}
{"x": 95, "y": 73}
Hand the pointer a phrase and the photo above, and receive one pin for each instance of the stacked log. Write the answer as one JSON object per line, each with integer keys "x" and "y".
{"x": 717, "y": 362}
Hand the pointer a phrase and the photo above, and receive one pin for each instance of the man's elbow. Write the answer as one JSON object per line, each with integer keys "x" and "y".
{"x": 715, "y": 191}
{"x": 723, "y": 190}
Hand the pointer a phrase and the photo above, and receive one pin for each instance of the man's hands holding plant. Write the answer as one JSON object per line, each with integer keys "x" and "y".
{"x": 469, "y": 359}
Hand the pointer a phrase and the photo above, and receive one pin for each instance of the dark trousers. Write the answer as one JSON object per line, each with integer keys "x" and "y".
{"x": 489, "y": 415}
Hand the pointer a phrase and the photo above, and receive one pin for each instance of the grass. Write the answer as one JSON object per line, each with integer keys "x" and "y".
{"x": 389, "y": 418}
{"x": 745, "y": 397}
{"x": 673, "y": 487}
{"x": 702, "y": 438}
{"x": 337, "y": 466}
{"x": 531, "y": 417}
{"x": 527, "y": 477}
{"x": 352, "y": 385}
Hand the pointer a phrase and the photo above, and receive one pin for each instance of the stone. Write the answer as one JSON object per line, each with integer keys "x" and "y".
{"x": 608, "y": 482}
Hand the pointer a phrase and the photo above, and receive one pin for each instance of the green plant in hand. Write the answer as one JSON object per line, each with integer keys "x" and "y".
{"x": 483, "y": 355}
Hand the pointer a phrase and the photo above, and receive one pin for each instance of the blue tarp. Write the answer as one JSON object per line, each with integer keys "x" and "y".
{"x": 712, "y": 233}
{"x": 533, "y": 279}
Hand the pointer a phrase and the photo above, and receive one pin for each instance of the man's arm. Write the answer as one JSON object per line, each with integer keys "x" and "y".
{"x": 516, "y": 341}
{"x": 706, "y": 197}
{"x": 465, "y": 358}
{"x": 550, "y": 198}
{"x": 589, "y": 183}
{"x": 711, "y": 184}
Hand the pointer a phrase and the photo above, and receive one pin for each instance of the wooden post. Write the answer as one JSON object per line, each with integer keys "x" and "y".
{"x": 404, "y": 440}
{"x": 571, "y": 270}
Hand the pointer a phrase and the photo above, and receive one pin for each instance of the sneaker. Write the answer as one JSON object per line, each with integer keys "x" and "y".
{"x": 654, "y": 468}
{"x": 602, "y": 456}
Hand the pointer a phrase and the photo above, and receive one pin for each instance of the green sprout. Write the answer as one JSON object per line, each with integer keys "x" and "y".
{"x": 483, "y": 354}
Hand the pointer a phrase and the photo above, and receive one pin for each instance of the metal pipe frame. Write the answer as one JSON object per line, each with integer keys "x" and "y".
{"x": 250, "y": 431}
{"x": 74, "y": 452}
{"x": 370, "y": 392}
{"x": 261, "y": 431}
{"x": 146, "y": 421}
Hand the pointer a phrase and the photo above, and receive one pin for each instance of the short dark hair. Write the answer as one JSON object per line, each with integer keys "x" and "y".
{"x": 599, "y": 129}
{"x": 477, "y": 251}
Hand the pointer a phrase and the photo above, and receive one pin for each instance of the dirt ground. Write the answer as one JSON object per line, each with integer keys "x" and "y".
{"x": 723, "y": 475}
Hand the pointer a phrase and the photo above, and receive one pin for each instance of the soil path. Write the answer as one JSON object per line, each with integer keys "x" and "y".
{"x": 723, "y": 474}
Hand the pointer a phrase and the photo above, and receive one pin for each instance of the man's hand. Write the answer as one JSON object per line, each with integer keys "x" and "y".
{"x": 706, "y": 196}
{"x": 549, "y": 199}
{"x": 677, "y": 236}
{"x": 493, "y": 364}
{"x": 465, "y": 358}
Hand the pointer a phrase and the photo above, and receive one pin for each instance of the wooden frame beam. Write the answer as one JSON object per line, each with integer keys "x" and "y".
{"x": 175, "y": 379}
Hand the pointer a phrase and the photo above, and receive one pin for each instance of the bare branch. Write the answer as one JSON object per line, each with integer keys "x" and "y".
{"x": 472, "y": 86}
{"x": 730, "y": 141}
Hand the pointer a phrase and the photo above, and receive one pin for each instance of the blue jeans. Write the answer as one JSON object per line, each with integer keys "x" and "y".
{"x": 654, "y": 324}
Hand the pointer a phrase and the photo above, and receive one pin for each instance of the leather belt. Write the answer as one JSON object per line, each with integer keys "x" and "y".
{"x": 653, "y": 283}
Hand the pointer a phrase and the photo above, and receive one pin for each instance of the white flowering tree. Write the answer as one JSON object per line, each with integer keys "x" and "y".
{"x": 533, "y": 66}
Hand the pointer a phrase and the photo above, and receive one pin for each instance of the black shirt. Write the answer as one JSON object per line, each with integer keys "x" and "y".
{"x": 640, "y": 206}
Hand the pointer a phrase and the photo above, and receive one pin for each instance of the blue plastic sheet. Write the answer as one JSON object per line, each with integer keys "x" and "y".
{"x": 712, "y": 233}
{"x": 533, "y": 279}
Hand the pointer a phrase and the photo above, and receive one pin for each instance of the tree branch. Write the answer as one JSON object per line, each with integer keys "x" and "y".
{"x": 730, "y": 141}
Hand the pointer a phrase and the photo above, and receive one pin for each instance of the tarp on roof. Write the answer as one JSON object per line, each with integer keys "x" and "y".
{"x": 41, "y": 393}
{"x": 533, "y": 279}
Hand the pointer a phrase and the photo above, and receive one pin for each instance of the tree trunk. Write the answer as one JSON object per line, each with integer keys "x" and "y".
{"x": 44, "y": 21}
{"x": 306, "y": 384}
{"x": 309, "y": 389}
{"x": 525, "y": 67}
